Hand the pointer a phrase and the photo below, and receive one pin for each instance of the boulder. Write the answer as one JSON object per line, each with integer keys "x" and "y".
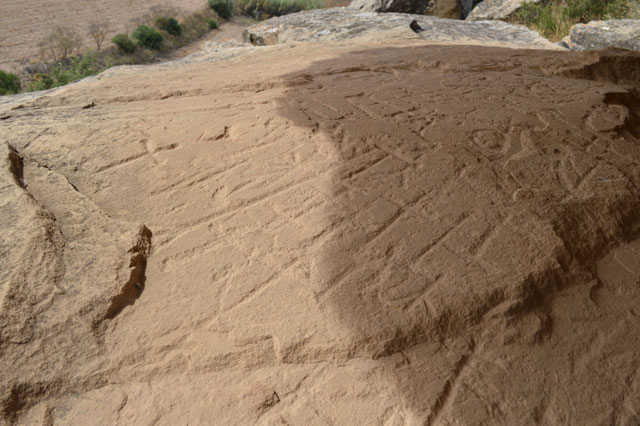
{"x": 467, "y": 6}
{"x": 621, "y": 34}
{"x": 350, "y": 25}
{"x": 496, "y": 9}
{"x": 451, "y": 9}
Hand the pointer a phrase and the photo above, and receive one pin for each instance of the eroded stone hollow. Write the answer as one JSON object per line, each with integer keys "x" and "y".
{"x": 394, "y": 233}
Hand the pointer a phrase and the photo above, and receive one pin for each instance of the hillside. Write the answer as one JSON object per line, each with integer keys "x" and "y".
{"x": 25, "y": 23}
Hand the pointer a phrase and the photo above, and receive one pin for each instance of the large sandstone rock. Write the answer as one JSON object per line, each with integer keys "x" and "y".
{"x": 381, "y": 233}
{"x": 622, "y": 34}
{"x": 353, "y": 26}
{"x": 496, "y": 9}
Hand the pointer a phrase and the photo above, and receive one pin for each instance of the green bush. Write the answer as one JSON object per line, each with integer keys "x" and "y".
{"x": 224, "y": 8}
{"x": 264, "y": 9}
{"x": 9, "y": 83}
{"x": 148, "y": 37}
{"x": 169, "y": 25}
{"x": 124, "y": 43}
{"x": 212, "y": 23}
{"x": 554, "y": 18}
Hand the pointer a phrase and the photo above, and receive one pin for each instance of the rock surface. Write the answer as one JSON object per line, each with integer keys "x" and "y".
{"x": 391, "y": 232}
{"x": 621, "y": 34}
{"x": 496, "y": 9}
{"x": 349, "y": 25}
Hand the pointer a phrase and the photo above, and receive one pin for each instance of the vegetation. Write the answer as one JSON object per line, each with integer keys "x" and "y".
{"x": 9, "y": 83}
{"x": 124, "y": 43}
{"x": 224, "y": 8}
{"x": 63, "y": 61}
{"x": 169, "y": 25}
{"x": 264, "y": 9}
{"x": 148, "y": 37}
{"x": 66, "y": 72}
{"x": 554, "y": 18}
{"x": 40, "y": 82}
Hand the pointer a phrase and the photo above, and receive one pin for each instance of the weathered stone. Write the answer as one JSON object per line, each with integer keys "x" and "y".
{"x": 350, "y": 25}
{"x": 366, "y": 231}
{"x": 496, "y": 9}
{"x": 621, "y": 34}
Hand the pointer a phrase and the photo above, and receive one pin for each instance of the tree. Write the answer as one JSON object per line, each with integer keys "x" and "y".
{"x": 98, "y": 32}
{"x": 61, "y": 43}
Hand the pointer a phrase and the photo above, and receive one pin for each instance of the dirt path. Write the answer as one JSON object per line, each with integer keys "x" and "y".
{"x": 228, "y": 31}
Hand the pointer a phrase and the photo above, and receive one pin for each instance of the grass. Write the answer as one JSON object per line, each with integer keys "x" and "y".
{"x": 265, "y": 9}
{"x": 554, "y": 18}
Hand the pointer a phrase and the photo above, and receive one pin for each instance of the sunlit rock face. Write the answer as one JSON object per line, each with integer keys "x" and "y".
{"x": 381, "y": 232}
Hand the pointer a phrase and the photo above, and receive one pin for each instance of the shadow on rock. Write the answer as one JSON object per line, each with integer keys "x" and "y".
{"x": 471, "y": 192}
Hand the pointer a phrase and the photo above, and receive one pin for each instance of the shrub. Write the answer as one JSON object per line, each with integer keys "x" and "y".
{"x": 224, "y": 8}
{"x": 169, "y": 25}
{"x": 40, "y": 82}
{"x": 195, "y": 26}
{"x": 212, "y": 23}
{"x": 9, "y": 83}
{"x": 124, "y": 43}
{"x": 148, "y": 37}
{"x": 78, "y": 67}
{"x": 263, "y": 9}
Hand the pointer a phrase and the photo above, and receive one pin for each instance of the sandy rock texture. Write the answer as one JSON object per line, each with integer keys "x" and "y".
{"x": 345, "y": 25}
{"x": 621, "y": 34}
{"x": 379, "y": 233}
{"x": 25, "y": 23}
{"x": 495, "y": 9}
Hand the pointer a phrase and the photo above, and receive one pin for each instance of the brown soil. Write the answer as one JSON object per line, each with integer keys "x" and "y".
{"x": 386, "y": 233}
